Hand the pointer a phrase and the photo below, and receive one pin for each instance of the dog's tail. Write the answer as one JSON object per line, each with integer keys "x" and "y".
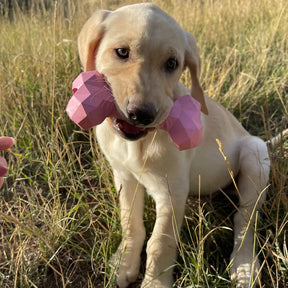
{"x": 278, "y": 139}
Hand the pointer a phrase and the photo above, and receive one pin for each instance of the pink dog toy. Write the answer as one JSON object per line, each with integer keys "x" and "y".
{"x": 93, "y": 101}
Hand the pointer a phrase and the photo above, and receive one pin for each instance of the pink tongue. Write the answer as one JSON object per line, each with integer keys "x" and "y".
{"x": 127, "y": 128}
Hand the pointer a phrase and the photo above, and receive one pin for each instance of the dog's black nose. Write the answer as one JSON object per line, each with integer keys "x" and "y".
{"x": 141, "y": 114}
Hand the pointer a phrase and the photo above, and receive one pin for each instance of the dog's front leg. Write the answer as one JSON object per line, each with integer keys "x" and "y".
{"x": 128, "y": 255}
{"x": 161, "y": 247}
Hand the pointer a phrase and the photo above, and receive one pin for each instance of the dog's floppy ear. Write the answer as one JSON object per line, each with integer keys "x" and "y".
{"x": 90, "y": 37}
{"x": 193, "y": 62}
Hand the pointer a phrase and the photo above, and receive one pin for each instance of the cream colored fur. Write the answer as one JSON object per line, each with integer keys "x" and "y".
{"x": 168, "y": 175}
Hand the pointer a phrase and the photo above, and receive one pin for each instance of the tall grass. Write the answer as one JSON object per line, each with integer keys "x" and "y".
{"x": 59, "y": 221}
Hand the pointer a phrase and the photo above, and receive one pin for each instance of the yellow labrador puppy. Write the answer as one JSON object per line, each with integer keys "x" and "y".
{"x": 142, "y": 52}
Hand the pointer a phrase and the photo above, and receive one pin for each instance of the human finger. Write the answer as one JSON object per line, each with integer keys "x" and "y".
{"x": 6, "y": 142}
{"x": 3, "y": 166}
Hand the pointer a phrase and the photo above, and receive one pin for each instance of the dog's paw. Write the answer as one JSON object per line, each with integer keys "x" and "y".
{"x": 125, "y": 277}
{"x": 127, "y": 266}
{"x": 148, "y": 283}
{"x": 244, "y": 272}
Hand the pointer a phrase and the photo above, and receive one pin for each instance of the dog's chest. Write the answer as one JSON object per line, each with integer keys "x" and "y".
{"x": 147, "y": 154}
{"x": 117, "y": 150}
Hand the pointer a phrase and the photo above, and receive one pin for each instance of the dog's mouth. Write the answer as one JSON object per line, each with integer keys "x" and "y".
{"x": 129, "y": 131}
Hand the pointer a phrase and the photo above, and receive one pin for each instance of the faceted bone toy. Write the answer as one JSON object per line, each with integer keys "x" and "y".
{"x": 184, "y": 123}
{"x": 93, "y": 101}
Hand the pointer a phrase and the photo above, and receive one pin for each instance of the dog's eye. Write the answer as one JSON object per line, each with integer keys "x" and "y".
{"x": 171, "y": 65}
{"x": 122, "y": 53}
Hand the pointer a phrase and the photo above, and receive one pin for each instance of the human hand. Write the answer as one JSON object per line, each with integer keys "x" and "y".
{"x": 5, "y": 143}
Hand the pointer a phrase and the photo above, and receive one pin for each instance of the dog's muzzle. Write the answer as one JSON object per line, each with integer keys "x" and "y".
{"x": 139, "y": 117}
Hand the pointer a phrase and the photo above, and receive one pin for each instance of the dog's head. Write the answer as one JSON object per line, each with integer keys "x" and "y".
{"x": 142, "y": 52}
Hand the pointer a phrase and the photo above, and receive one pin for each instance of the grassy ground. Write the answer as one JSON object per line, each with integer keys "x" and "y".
{"x": 59, "y": 221}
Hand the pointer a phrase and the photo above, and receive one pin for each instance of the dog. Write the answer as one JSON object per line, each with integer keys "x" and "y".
{"x": 142, "y": 52}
